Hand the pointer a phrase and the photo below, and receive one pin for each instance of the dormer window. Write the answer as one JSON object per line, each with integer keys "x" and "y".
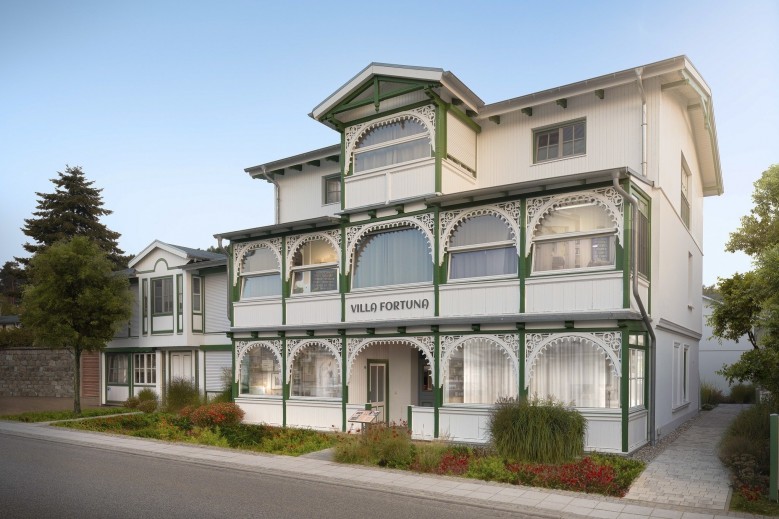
{"x": 392, "y": 143}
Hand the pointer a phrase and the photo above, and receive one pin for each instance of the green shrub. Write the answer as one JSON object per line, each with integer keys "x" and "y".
{"x": 146, "y": 394}
{"x": 743, "y": 394}
{"x": 208, "y": 436}
{"x": 148, "y": 406}
{"x": 132, "y": 402}
{"x": 220, "y": 413}
{"x": 181, "y": 393}
{"x": 428, "y": 456}
{"x": 490, "y": 468}
{"x": 710, "y": 395}
{"x": 383, "y": 445}
{"x": 540, "y": 431}
{"x": 16, "y": 338}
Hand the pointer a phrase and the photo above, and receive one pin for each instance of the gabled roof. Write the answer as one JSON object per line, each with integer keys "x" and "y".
{"x": 189, "y": 254}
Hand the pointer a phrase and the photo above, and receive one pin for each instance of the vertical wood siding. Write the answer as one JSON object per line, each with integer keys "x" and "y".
{"x": 461, "y": 141}
{"x": 216, "y": 303}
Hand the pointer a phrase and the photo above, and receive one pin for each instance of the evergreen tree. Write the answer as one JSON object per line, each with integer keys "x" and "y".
{"x": 74, "y": 209}
{"x": 11, "y": 282}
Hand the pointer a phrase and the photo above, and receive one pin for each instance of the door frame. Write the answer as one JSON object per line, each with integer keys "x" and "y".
{"x": 385, "y": 362}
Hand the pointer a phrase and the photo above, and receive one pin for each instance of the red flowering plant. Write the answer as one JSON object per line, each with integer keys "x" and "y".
{"x": 219, "y": 413}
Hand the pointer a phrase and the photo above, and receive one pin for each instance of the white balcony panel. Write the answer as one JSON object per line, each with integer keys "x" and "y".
{"x": 323, "y": 415}
{"x": 574, "y": 293}
{"x": 422, "y": 422}
{"x": 464, "y": 424}
{"x": 391, "y": 183}
{"x": 480, "y": 298}
{"x": 456, "y": 179}
{"x": 604, "y": 430}
{"x": 117, "y": 393}
{"x": 162, "y": 324}
{"x": 262, "y": 410}
{"x": 314, "y": 309}
{"x": 637, "y": 429}
{"x": 257, "y": 313}
{"x": 397, "y": 302}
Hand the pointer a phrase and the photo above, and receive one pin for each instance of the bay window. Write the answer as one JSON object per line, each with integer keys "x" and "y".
{"x": 392, "y": 257}
{"x": 260, "y": 373}
{"x": 482, "y": 246}
{"x": 260, "y": 274}
{"x": 315, "y": 268}
{"x": 162, "y": 296}
{"x": 479, "y": 372}
{"x": 315, "y": 373}
{"x": 392, "y": 143}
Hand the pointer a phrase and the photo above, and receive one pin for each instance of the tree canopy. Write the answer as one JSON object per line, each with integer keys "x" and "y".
{"x": 11, "y": 282}
{"x": 750, "y": 301}
{"x": 74, "y": 300}
{"x": 73, "y": 209}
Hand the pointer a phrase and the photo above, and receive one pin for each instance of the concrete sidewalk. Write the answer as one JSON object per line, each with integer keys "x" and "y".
{"x": 495, "y": 496}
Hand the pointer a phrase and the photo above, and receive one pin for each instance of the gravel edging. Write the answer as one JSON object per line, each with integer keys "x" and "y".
{"x": 649, "y": 452}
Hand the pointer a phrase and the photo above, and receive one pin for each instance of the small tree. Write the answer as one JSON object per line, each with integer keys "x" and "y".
{"x": 73, "y": 300}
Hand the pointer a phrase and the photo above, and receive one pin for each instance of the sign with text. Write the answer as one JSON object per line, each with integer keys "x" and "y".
{"x": 366, "y": 416}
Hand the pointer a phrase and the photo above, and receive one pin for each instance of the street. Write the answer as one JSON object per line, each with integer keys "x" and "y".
{"x": 42, "y": 479}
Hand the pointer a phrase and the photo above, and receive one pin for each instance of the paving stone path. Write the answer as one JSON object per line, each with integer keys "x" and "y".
{"x": 688, "y": 472}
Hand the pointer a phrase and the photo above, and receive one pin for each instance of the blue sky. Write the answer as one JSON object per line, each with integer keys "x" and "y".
{"x": 164, "y": 103}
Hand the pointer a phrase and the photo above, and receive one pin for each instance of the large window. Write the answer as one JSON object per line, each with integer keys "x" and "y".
{"x": 315, "y": 268}
{"x": 681, "y": 375}
{"x": 315, "y": 373}
{"x": 576, "y": 371}
{"x": 117, "y": 368}
{"x": 260, "y": 373}
{"x": 482, "y": 246}
{"x": 575, "y": 236}
{"x": 260, "y": 275}
{"x": 145, "y": 368}
{"x": 559, "y": 142}
{"x": 162, "y": 296}
{"x": 332, "y": 190}
{"x": 392, "y": 258}
{"x": 479, "y": 372}
{"x": 643, "y": 254}
{"x": 392, "y": 143}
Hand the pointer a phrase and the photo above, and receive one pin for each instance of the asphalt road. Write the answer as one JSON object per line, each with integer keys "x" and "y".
{"x": 44, "y": 479}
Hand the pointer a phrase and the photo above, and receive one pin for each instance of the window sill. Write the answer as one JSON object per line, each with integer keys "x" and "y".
{"x": 680, "y": 407}
{"x": 483, "y": 279}
{"x": 313, "y": 295}
{"x": 259, "y": 397}
{"x": 261, "y": 299}
{"x": 551, "y": 161}
{"x": 582, "y": 270}
{"x": 384, "y": 169}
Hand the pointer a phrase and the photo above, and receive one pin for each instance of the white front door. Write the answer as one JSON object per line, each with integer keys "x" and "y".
{"x": 378, "y": 387}
{"x": 181, "y": 365}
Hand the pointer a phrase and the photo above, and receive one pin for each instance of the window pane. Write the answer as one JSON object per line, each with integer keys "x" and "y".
{"x": 574, "y": 253}
{"x": 314, "y": 253}
{"x": 261, "y": 286}
{"x": 316, "y": 280}
{"x": 485, "y": 262}
{"x": 392, "y": 154}
{"x": 575, "y": 218}
{"x": 260, "y": 373}
{"x": 315, "y": 373}
{"x": 480, "y": 229}
{"x": 578, "y": 372}
{"x": 636, "y": 378}
{"x": 196, "y": 295}
{"x": 391, "y": 132}
{"x": 392, "y": 258}
{"x": 258, "y": 260}
{"x": 479, "y": 372}
{"x": 567, "y": 149}
{"x": 117, "y": 369}
{"x": 332, "y": 190}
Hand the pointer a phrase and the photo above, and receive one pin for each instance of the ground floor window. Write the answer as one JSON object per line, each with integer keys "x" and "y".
{"x": 681, "y": 374}
{"x": 636, "y": 378}
{"x": 260, "y": 373}
{"x": 576, "y": 371}
{"x": 117, "y": 368}
{"x": 315, "y": 373}
{"x": 145, "y": 368}
{"x": 479, "y": 372}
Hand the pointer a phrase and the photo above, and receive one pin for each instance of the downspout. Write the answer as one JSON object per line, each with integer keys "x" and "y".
{"x": 228, "y": 309}
{"x": 277, "y": 191}
{"x": 640, "y": 82}
{"x": 633, "y": 202}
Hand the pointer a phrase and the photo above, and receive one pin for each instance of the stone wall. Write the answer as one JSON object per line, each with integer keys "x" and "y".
{"x": 36, "y": 372}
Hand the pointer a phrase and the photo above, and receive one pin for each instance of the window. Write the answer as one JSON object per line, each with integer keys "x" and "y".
{"x": 575, "y": 236}
{"x": 681, "y": 374}
{"x": 315, "y": 372}
{"x": 636, "y": 378}
{"x": 482, "y": 246}
{"x": 643, "y": 253}
{"x": 260, "y": 274}
{"x": 685, "y": 205}
{"x": 315, "y": 268}
{"x": 197, "y": 295}
{"x": 332, "y": 190}
{"x": 145, "y": 306}
{"x": 392, "y": 258}
{"x": 180, "y": 303}
{"x": 392, "y": 143}
{"x": 260, "y": 373}
{"x": 162, "y": 296}
{"x": 563, "y": 141}
{"x": 576, "y": 370}
{"x": 117, "y": 368}
{"x": 479, "y": 372}
{"x": 145, "y": 368}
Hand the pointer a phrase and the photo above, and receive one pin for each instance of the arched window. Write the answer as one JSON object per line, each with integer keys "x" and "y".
{"x": 479, "y": 372}
{"x": 315, "y": 268}
{"x": 576, "y": 371}
{"x": 391, "y": 143}
{"x": 260, "y": 275}
{"x": 575, "y": 236}
{"x": 482, "y": 246}
{"x": 260, "y": 373}
{"x": 315, "y": 372}
{"x": 392, "y": 257}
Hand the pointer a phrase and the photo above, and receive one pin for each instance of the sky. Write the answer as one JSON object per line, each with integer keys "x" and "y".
{"x": 164, "y": 103}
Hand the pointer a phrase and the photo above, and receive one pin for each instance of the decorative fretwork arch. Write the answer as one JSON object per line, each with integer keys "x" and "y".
{"x": 609, "y": 343}
{"x": 508, "y": 343}
{"x": 243, "y": 347}
{"x": 241, "y": 249}
{"x": 425, "y": 115}
{"x": 607, "y": 198}
{"x": 294, "y": 243}
{"x": 425, "y": 344}
{"x": 423, "y": 222}
{"x": 295, "y": 346}
{"x": 450, "y": 220}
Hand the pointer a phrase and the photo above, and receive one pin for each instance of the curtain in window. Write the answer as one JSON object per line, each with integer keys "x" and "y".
{"x": 479, "y": 372}
{"x": 575, "y": 371}
{"x": 392, "y": 258}
{"x": 404, "y": 151}
{"x": 484, "y": 256}
{"x": 636, "y": 378}
{"x": 315, "y": 373}
{"x": 258, "y": 260}
{"x": 260, "y": 373}
{"x": 261, "y": 286}
{"x": 117, "y": 369}
{"x": 390, "y": 132}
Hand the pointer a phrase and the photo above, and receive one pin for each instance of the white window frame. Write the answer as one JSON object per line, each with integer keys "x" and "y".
{"x": 419, "y": 136}
{"x": 680, "y": 383}
{"x": 117, "y": 367}
{"x": 503, "y": 244}
{"x": 609, "y": 232}
{"x": 244, "y": 275}
{"x": 637, "y": 372}
{"x": 144, "y": 369}
{"x": 685, "y": 209}
{"x": 166, "y": 297}
{"x": 325, "y": 192}
{"x": 537, "y": 133}
{"x": 197, "y": 295}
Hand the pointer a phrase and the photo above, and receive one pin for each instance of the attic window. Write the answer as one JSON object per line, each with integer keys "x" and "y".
{"x": 393, "y": 143}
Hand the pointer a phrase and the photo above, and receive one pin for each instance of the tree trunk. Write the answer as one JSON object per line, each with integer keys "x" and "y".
{"x": 77, "y": 380}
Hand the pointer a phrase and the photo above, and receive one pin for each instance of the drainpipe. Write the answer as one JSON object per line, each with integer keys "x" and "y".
{"x": 633, "y": 202}
{"x": 640, "y": 82}
{"x": 277, "y": 191}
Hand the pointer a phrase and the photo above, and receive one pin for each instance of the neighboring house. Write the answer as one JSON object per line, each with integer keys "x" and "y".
{"x": 447, "y": 253}
{"x": 715, "y": 353}
{"x": 178, "y": 328}
{"x": 8, "y": 322}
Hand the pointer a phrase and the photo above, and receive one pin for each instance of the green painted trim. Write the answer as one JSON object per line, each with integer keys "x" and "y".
{"x": 380, "y": 219}
{"x": 179, "y": 304}
{"x": 440, "y": 145}
{"x": 624, "y": 392}
{"x": 233, "y": 384}
{"x": 344, "y": 382}
{"x": 463, "y": 117}
{"x": 628, "y": 251}
{"x": 438, "y": 390}
{"x": 773, "y": 485}
{"x": 521, "y": 375}
{"x": 285, "y": 283}
{"x": 343, "y": 285}
{"x": 522, "y": 267}
{"x": 162, "y": 332}
{"x": 216, "y": 347}
{"x": 399, "y": 109}
{"x": 385, "y": 362}
{"x": 145, "y": 306}
{"x": 284, "y": 382}
{"x": 201, "y": 313}
{"x": 409, "y": 423}
{"x": 437, "y": 274}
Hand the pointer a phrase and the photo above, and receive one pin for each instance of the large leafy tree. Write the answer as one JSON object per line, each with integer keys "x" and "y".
{"x": 750, "y": 301}
{"x": 74, "y": 300}
{"x": 73, "y": 209}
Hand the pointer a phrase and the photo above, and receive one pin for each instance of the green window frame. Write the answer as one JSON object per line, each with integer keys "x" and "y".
{"x": 197, "y": 295}
{"x": 331, "y": 190}
{"x": 162, "y": 296}
{"x": 566, "y": 140}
